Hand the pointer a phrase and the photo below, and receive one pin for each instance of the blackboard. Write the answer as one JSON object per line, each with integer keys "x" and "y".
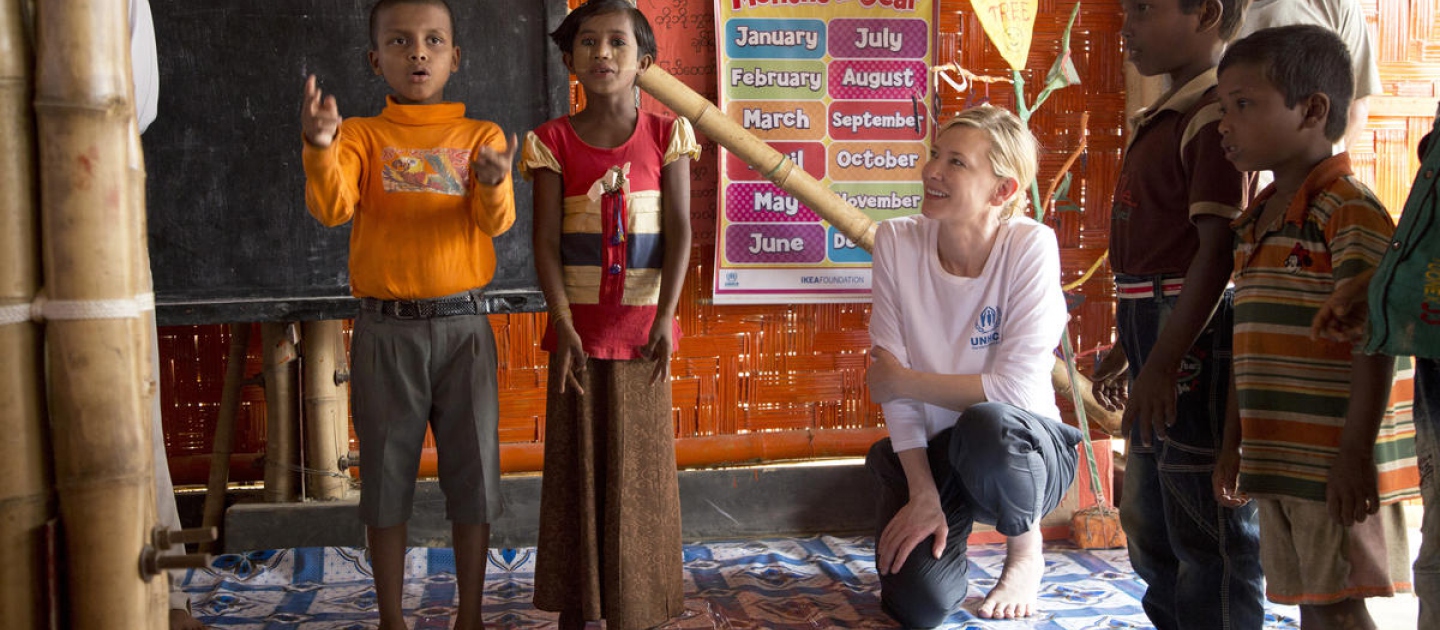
{"x": 230, "y": 239}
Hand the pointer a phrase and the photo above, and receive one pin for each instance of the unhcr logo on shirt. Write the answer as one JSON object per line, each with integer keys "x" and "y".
{"x": 989, "y": 328}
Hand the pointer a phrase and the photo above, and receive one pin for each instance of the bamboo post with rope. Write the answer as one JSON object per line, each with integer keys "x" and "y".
{"x": 27, "y": 488}
{"x": 324, "y": 427}
{"x": 94, "y": 308}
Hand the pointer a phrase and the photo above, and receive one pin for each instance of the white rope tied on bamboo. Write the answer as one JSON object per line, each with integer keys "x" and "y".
{"x": 45, "y": 309}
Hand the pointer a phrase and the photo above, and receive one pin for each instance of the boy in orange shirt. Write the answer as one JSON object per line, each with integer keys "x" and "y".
{"x": 427, "y": 190}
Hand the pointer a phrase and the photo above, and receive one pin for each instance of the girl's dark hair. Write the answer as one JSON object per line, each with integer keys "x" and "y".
{"x": 382, "y": 5}
{"x": 564, "y": 36}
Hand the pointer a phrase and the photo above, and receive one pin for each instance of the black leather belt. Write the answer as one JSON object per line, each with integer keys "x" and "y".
{"x": 422, "y": 309}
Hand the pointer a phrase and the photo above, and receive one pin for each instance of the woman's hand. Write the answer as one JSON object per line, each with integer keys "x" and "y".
{"x": 886, "y": 377}
{"x": 919, "y": 519}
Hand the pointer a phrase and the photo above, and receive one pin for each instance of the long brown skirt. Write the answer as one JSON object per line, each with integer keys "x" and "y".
{"x": 609, "y": 545}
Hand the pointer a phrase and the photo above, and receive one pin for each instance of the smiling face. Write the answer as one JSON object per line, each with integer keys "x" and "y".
{"x": 959, "y": 179}
{"x": 414, "y": 52}
{"x": 605, "y": 57}
{"x": 1258, "y": 131}
{"x": 1159, "y": 35}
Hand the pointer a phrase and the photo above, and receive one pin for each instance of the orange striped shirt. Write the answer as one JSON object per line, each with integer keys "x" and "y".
{"x": 1294, "y": 392}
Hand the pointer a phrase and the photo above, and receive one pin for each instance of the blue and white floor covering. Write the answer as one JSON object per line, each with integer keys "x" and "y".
{"x": 775, "y": 584}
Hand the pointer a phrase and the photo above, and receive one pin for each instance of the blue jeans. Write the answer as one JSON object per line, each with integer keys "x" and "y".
{"x": 1201, "y": 561}
{"x": 1427, "y": 449}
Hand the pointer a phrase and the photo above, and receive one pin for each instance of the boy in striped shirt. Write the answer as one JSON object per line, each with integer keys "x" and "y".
{"x": 1307, "y": 432}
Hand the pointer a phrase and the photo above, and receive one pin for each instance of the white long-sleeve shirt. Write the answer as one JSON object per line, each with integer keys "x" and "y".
{"x": 1002, "y": 325}
{"x": 145, "y": 65}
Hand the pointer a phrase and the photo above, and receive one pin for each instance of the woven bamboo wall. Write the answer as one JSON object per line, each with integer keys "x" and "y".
{"x": 761, "y": 383}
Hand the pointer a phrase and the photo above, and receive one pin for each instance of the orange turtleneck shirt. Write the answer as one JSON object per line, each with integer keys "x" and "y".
{"x": 422, "y": 226}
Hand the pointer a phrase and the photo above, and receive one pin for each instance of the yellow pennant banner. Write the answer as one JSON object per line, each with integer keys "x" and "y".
{"x": 1010, "y": 24}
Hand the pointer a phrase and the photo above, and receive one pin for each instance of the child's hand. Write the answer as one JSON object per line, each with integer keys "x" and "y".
{"x": 1111, "y": 381}
{"x": 490, "y": 166}
{"x": 1226, "y": 479}
{"x": 1351, "y": 488}
{"x": 659, "y": 349}
{"x": 570, "y": 352}
{"x": 1342, "y": 316}
{"x": 319, "y": 118}
{"x": 1151, "y": 403}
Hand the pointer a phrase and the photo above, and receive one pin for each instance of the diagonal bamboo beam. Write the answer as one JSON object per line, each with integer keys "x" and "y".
{"x": 102, "y": 448}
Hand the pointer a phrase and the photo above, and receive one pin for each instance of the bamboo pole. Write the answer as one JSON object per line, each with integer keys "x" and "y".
{"x": 321, "y": 420}
{"x": 281, "y": 451}
{"x": 225, "y": 433}
{"x": 27, "y": 487}
{"x": 103, "y": 462}
{"x": 851, "y": 222}
{"x": 776, "y": 166}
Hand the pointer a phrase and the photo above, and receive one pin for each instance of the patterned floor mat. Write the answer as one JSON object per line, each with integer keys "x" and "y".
{"x": 775, "y": 584}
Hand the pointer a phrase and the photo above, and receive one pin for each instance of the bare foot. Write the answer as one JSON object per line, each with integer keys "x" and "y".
{"x": 180, "y": 619}
{"x": 1015, "y": 595}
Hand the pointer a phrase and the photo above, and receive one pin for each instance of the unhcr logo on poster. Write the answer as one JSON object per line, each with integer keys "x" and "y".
{"x": 989, "y": 328}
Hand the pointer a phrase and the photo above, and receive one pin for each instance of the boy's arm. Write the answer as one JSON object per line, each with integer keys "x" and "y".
{"x": 1152, "y": 395}
{"x": 675, "y": 209}
{"x": 1352, "y": 487}
{"x": 492, "y": 201}
{"x": 1226, "y": 478}
{"x": 332, "y": 171}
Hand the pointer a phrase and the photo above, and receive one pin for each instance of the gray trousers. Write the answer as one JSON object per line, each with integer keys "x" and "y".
{"x": 1000, "y": 465}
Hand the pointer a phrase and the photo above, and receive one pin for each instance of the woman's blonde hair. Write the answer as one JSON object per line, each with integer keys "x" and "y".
{"x": 1013, "y": 149}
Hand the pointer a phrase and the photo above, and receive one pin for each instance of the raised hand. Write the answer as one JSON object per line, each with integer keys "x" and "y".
{"x": 319, "y": 115}
{"x": 490, "y": 166}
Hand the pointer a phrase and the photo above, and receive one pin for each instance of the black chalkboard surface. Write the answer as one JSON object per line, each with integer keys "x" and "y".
{"x": 230, "y": 239}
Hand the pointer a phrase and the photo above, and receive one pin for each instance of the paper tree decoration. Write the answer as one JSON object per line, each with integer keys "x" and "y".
{"x": 1010, "y": 24}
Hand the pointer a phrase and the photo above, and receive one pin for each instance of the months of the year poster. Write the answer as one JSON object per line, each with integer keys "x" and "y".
{"x": 841, "y": 88}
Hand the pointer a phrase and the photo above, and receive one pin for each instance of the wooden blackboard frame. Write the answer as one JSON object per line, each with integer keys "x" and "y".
{"x": 230, "y": 239}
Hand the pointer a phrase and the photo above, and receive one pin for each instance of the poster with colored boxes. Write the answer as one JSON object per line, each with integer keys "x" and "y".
{"x": 841, "y": 88}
